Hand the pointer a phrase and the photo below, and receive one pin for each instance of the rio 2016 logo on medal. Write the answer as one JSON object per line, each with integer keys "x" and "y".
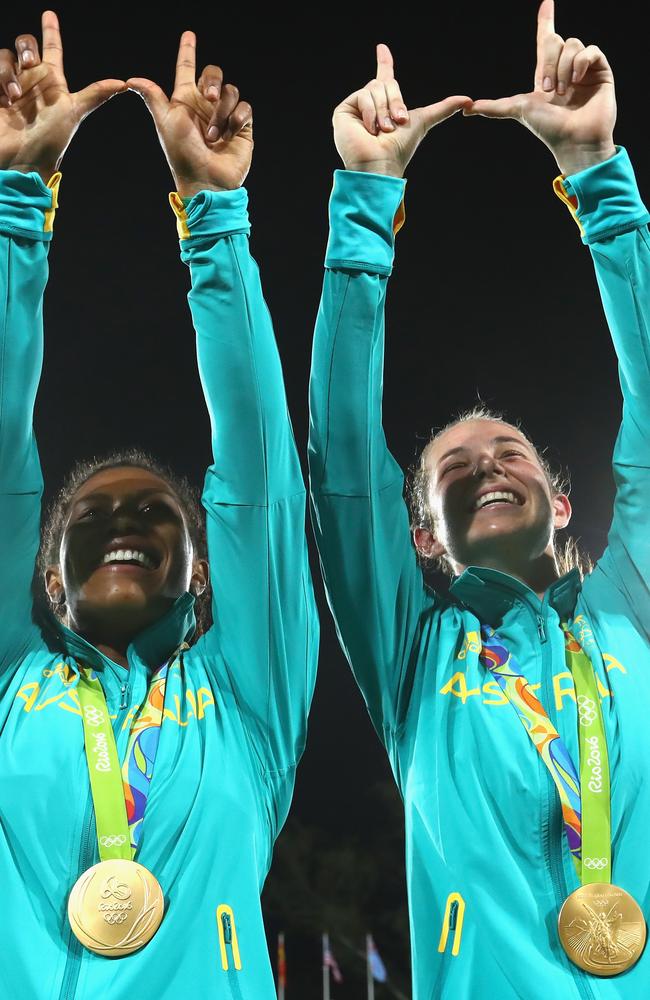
{"x": 115, "y": 907}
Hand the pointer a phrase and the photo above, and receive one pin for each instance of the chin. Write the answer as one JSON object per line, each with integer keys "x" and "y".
{"x": 502, "y": 546}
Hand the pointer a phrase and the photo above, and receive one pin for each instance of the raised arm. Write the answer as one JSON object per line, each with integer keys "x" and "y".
{"x": 38, "y": 117}
{"x": 572, "y": 109}
{"x": 263, "y": 607}
{"x": 374, "y": 584}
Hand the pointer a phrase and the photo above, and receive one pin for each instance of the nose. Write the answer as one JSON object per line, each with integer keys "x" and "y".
{"x": 488, "y": 464}
{"x": 124, "y": 516}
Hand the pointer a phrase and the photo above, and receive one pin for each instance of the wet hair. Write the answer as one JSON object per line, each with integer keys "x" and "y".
{"x": 57, "y": 514}
{"x": 568, "y": 554}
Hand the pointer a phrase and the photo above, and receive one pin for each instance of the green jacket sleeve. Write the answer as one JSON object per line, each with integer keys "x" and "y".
{"x": 613, "y": 222}
{"x": 26, "y": 216}
{"x": 265, "y": 620}
{"x": 373, "y": 581}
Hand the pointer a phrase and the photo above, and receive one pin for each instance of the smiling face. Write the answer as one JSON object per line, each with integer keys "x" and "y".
{"x": 490, "y": 499}
{"x": 126, "y": 554}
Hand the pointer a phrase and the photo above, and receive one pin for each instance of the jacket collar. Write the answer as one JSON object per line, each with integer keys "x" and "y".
{"x": 490, "y": 594}
{"x": 153, "y": 646}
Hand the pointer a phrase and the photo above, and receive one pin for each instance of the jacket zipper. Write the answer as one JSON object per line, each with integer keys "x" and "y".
{"x": 453, "y": 915}
{"x": 232, "y": 971}
{"x": 86, "y": 859}
{"x": 88, "y": 856}
{"x": 553, "y": 830}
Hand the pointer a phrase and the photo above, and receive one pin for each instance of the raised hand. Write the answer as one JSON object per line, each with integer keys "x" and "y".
{"x": 374, "y": 131}
{"x": 38, "y": 114}
{"x": 572, "y": 107}
{"x": 205, "y": 131}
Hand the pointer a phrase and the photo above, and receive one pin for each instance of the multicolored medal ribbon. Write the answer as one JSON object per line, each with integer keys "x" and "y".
{"x": 117, "y": 905}
{"x": 601, "y": 927}
{"x": 137, "y": 770}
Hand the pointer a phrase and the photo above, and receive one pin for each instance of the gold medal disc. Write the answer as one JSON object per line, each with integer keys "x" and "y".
{"x": 602, "y": 929}
{"x": 115, "y": 907}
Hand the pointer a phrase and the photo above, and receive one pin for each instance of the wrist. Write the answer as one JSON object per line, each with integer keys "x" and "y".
{"x": 574, "y": 159}
{"x": 387, "y": 167}
{"x": 188, "y": 188}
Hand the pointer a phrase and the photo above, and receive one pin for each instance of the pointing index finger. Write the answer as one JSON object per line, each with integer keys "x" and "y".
{"x": 545, "y": 23}
{"x": 52, "y": 45}
{"x": 384, "y": 63}
{"x": 186, "y": 60}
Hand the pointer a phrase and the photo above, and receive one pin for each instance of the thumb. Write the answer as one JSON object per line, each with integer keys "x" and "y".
{"x": 96, "y": 94}
{"x": 433, "y": 114}
{"x": 152, "y": 95}
{"x": 504, "y": 107}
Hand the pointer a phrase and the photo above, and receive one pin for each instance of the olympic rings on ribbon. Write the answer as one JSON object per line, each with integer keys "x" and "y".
{"x": 115, "y": 841}
{"x": 94, "y": 717}
{"x": 595, "y": 864}
{"x": 586, "y": 710}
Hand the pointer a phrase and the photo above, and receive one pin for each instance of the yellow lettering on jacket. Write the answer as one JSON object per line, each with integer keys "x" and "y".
{"x": 563, "y": 692}
{"x": 462, "y": 692}
{"x": 471, "y": 644}
{"x": 29, "y": 694}
{"x": 611, "y": 663}
{"x": 494, "y": 695}
{"x": 492, "y": 687}
{"x": 196, "y": 703}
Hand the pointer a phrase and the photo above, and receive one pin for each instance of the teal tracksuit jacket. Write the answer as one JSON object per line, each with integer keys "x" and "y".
{"x": 487, "y": 861}
{"x": 236, "y": 702}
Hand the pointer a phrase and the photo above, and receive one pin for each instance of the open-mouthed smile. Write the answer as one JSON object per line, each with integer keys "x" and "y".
{"x": 497, "y": 498}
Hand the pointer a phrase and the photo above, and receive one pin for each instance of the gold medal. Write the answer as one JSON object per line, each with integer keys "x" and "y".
{"x": 602, "y": 929}
{"x": 115, "y": 907}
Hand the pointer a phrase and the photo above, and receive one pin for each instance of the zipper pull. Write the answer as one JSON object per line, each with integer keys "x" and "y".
{"x": 227, "y": 928}
{"x": 125, "y": 696}
{"x": 453, "y": 915}
{"x": 541, "y": 628}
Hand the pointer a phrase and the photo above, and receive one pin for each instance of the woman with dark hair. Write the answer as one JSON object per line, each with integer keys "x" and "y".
{"x": 146, "y": 765}
{"x": 514, "y": 707}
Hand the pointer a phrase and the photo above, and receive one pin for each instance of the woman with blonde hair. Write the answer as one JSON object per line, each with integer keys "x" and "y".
{"x": 514, "y": 707}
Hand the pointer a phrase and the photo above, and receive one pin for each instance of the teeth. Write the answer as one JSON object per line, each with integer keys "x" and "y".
{"x": 128, "y": 555}
{"x": 501, "y": 495}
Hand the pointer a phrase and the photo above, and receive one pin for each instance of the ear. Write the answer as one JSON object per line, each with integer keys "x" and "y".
{"x": 200, "y": 577}
{"x": 427, "y": 544}
{"x": 561, "y": 511}
{"x": 54, "y": 585}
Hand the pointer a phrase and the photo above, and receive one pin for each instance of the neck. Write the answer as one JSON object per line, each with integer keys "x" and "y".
{"x": 538, "y": 574}
{"x": 115, "y": 653}
{"x": 112, "y": 646}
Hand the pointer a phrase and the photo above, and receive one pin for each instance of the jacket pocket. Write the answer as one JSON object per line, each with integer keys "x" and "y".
{"x": 229, "y": 948}
{"x": 452, "y": 922}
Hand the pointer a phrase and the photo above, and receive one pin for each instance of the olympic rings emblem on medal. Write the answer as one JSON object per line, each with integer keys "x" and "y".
{"x": 114, "y": 841}
{"x": 94, "y": 716}
{"x": 586, "y": 710}
{"x": 595, "y": 864}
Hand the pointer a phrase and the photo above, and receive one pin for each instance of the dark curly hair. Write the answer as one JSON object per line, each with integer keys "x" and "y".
{"x": 568, "y": 554}
{"x": 57, "y": 514}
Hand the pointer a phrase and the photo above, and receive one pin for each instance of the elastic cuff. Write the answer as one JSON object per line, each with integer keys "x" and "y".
{"x": 604, "y": 199}
{"x": 211, "y": 214}
{"x": 366, "y": 210}
{"x": 27, "y": 205}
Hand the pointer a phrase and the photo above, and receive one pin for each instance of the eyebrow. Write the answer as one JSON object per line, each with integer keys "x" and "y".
{"x": 148, "y": 491}
{"x": 500, "y": 439}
